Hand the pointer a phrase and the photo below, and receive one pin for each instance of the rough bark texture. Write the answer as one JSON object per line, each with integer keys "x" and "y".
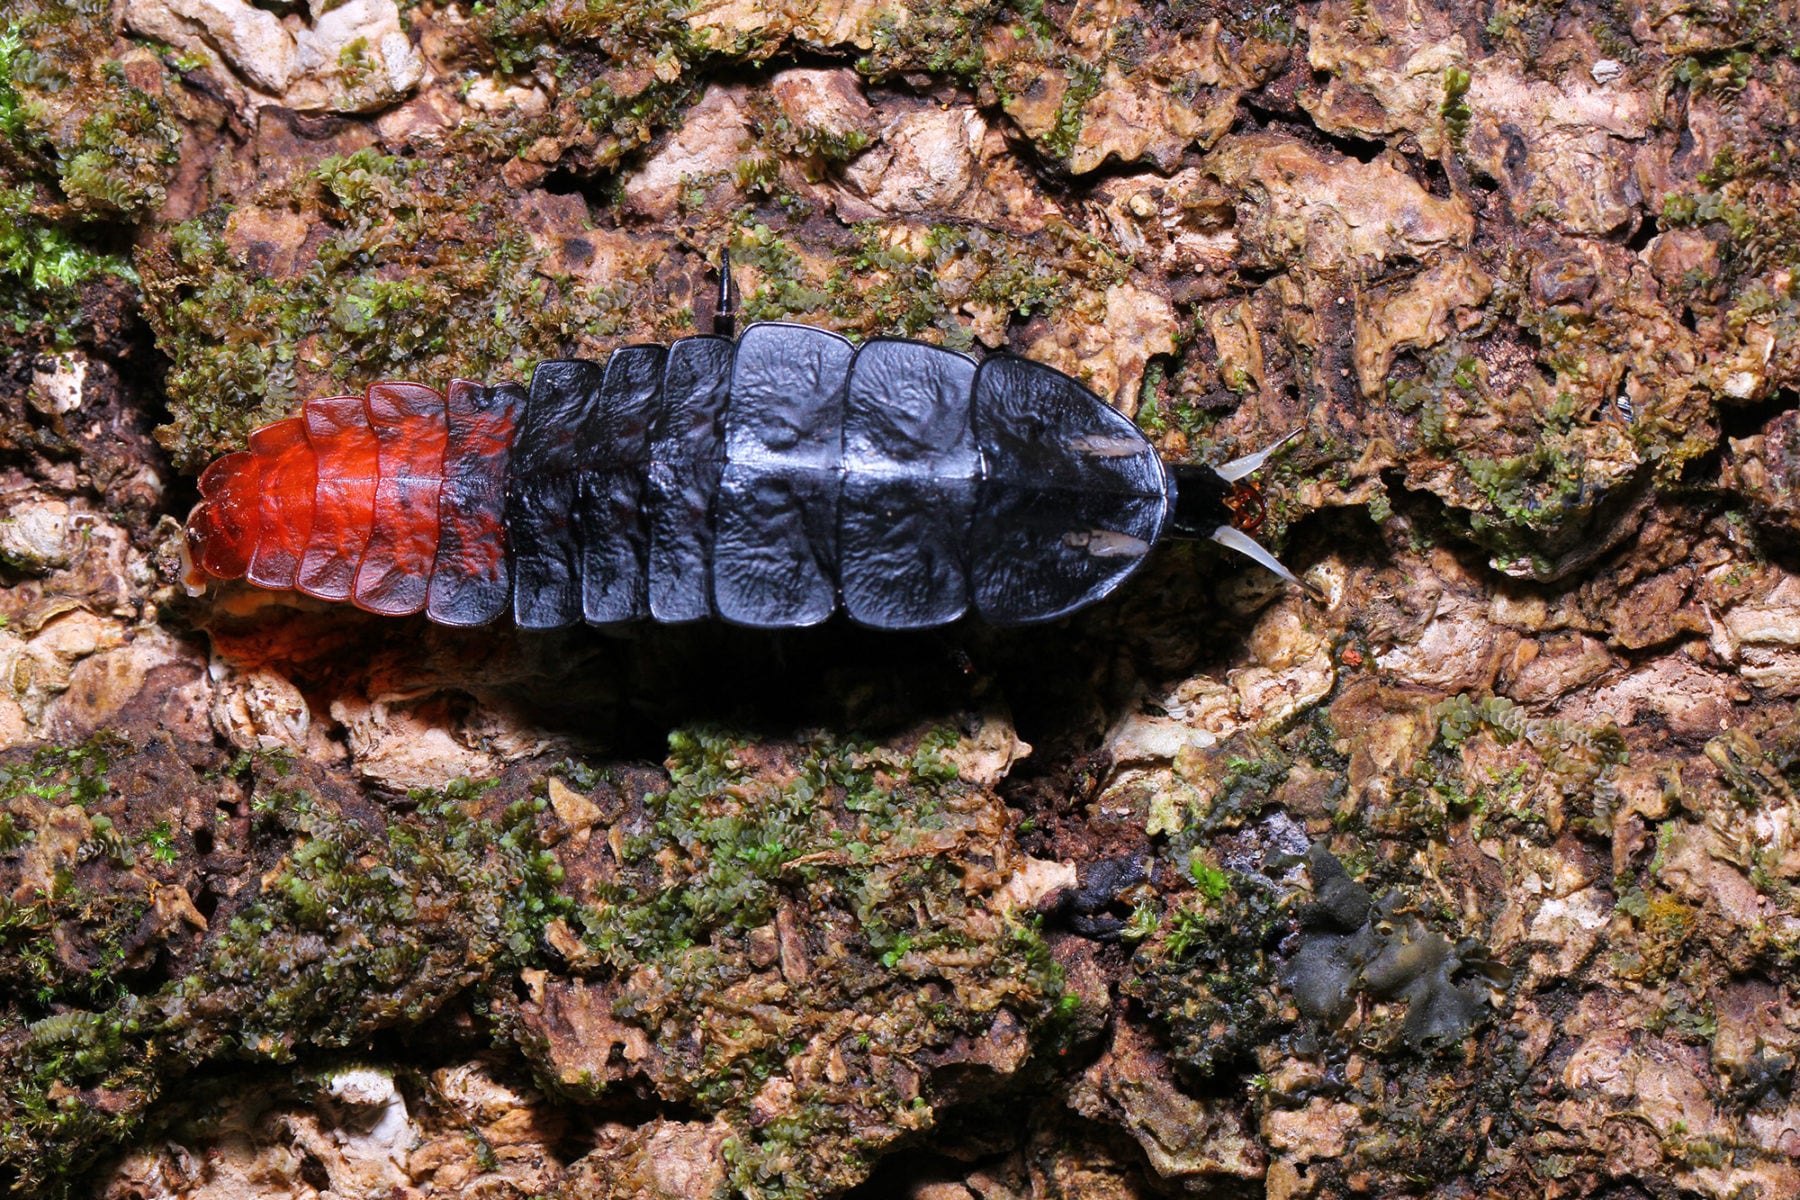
{"x": 1474, "y": 878}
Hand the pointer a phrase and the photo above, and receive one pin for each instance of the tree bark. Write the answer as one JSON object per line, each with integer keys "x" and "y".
{"x": 1472, "y": 874}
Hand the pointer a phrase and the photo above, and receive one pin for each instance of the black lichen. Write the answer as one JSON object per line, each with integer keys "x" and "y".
{"x": 1353, "y": 945}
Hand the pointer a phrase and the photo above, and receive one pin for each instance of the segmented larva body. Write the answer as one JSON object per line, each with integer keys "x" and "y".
{"x": 768, "y": 480}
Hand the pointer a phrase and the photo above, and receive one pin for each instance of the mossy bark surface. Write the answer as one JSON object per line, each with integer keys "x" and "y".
{"x": 1473, "y": 875}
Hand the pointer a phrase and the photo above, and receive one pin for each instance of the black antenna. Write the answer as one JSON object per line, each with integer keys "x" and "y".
{"x": 724, "y": 312}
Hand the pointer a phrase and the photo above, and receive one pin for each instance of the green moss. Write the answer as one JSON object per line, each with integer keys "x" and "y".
{"x": 873, "y": 288}
{"x": 1446, "y": 382}
{"x": 1084, "y": 85}
{"x": 69, "y": 113}
{"x": 1535, "y": 489}
{"x": 942, "y": 39}
{"x": 360, "y": 928}
{"x": 79, "y": 1079}
{"x": 870, "y": 841}
{"x": 1565, "y": 746}
{"x": 623, "y": 68}
{"x": 116, "y": 162}
{"x": 784, "y": 285}
{"x": 1526, "y": 29}
{"x": 12, "y": 118}
{"x": 354, "y": 64}
{"x": 743, "y": 849}
{"x": 1238, "y": 778}
{"x": 1530, "y": 490}
{"x": 628, "y": 122}
{"x": 1210, "y": 879}
{"x": 1549, "y": 763}
{"x": 778, "y": 138}
{"x": 1455, "y": 110}
{"x": 1005, "y": 48}
{"x": 757, "y": 173}
{"x": 356, "y": 926}
{"x": 1206, "y": 976}
{"x": 314, "y": 960}
{"x": 1661, "y": 946}
{"x": 160, "y": 844}
{"x": 526, "y": 32}
{"x": 1725, "y": 71}
{"x": 62, "y": 774}
{"x": 422, "y": 272}
{"x": 1744, "y": 203}
{"x": 1150, "y": 416}
{"x": 734, "y": 885}
{"x": 1759, "y": 229}
{"x": 80, "y": 144}
{"x": 62, "y": 951}
{"x": 13, "y": 833}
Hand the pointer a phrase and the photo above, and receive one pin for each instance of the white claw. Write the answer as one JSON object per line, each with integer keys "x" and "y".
{"x": 1243, "y": 543}
{"x": 1237, "y": 468}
